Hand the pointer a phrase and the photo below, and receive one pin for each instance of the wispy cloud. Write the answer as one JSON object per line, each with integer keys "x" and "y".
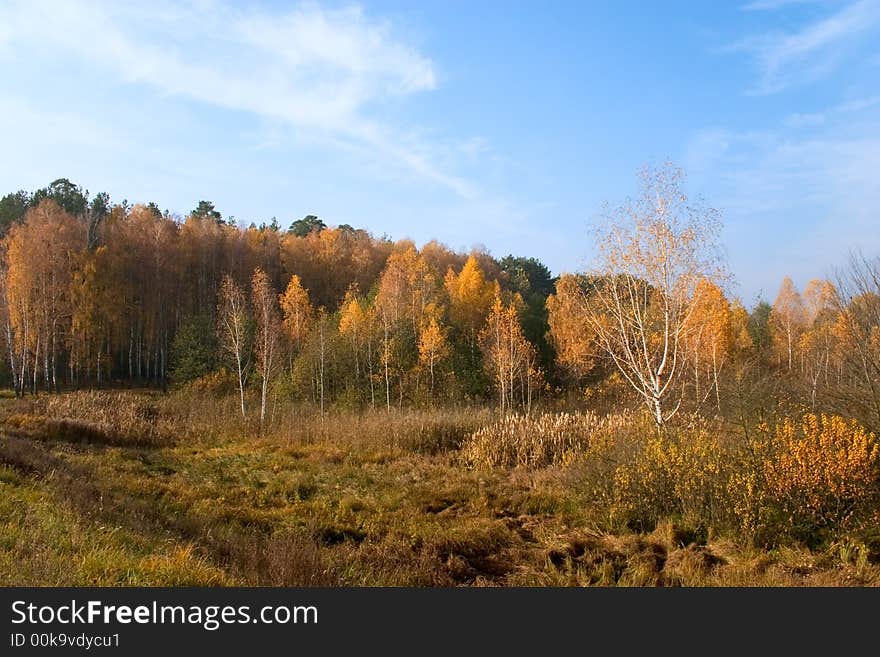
{"x": 858, "y": 104}
{"x": 805, "y": 119}
{"x": 820, "y": 172}
{"x": 772, "y": 5}
{"x": 813, "y": 51}
{"x": 810, "y": 119}
{"x": 327, "y": 72}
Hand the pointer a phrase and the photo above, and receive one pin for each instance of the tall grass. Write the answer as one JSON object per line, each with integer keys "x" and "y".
{"x": 128, "y": 418}
{"x": 534, "y": 441}
{"x": 422, "y": 431}
{"x": 110, "y": 418}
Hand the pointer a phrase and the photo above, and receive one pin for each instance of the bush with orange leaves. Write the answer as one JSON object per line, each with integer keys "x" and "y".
{"x": 809, "y": 479}
{"x": 806, "y": 479}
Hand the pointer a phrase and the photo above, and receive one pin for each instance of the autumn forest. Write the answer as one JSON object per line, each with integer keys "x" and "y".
{"x": 256, "y": 404}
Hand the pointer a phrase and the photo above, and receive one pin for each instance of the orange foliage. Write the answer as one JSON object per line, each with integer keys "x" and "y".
{"x": 824, "y": 470}
{"x": 570, "y": 332}
{"x": 470, "y": 296}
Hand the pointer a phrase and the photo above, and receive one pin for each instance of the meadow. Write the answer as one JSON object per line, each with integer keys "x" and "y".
{"x": 195, "y": 402}
{"x": 143, "y": 488}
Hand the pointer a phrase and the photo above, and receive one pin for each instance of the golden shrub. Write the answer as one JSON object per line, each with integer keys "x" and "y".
{"x": 748, "y": 501}
{"x": 804, "y": 478}
{"x": 801, "y": 479}
{"x": 679, "y": 473}
{"x": 822, "y": 472}
{"x": 693, "y": 462}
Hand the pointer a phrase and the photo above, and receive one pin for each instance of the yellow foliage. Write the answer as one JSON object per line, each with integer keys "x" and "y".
{"x": 470, "y": 295}
{"x": 508, "y": 357}
{"x": 433, "y": 346}
{"x": 351, "y": 317}
{"x": 820, "y": 297}
{"x": 741, "y": 341}
{"x": 709, "y": 324}
{"x": 406, "y": 288}
{"x": 824, "y": 470}
{"x": 297, "y": 310}
{"x": 800, "y": 478}
{"x": 788, "y": 320}
{"x": 570, "y": 333}
{"x": 658, "y": 475}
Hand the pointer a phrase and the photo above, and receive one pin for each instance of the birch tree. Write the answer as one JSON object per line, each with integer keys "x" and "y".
{"x": 507, "y": 356}
{"x": 433, "y": 349}
{"x": 857, "y": 332}
{"x": 651, "y": 255}
{"x": 788, "y": 320}
{"x": 406, "y": 293}
{"x": 818, "y": 341}
{"x": 570, "y": 335}
{"x": 298, "y": 313}
{"x": 709, "y": 340}
{"x": 42, "y": 255}
{"x": 268, "y": 331}
{"x": 234, "y": 332}
{"x": 471, "y": 297}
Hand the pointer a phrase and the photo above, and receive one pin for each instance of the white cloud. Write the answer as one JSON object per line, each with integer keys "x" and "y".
{"x": 801, "y": 120}
{"x": 343, "y": 40}
{"x": 802, "y": 192}
{"x": 795, "y": 199}
{"x": 772, "y": 5}
{"x": 813, "y": 51}
{"x": 812, "y": 119}
{"x": 321, "y": 72}
{"x": 858, "y": 104}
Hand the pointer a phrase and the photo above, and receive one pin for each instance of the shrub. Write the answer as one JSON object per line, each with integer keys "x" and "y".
{"x": 821, "y": 473}
{"x": 633, "y": 477}
{"x": 193, "y": 349}
{"x": 217, "y": 383}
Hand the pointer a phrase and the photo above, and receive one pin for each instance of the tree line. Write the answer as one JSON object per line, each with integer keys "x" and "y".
{"x": 96, "y": 294}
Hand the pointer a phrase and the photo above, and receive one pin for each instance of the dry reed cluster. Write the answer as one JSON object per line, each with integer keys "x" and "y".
{"x": 534, "y": 441}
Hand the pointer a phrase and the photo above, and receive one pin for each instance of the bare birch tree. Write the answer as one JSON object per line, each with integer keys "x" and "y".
{"x": 788, "y": 320}
{"x": 234, "y": 332}
{"x": 651, "y": 255}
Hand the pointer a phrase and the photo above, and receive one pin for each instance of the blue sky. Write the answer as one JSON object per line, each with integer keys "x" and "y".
{"x": 506, "y": 124}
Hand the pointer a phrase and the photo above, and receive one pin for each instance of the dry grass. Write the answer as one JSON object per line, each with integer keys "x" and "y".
{"x": 46, "y": 541}
{"x": 376, "y": 499}
{"x": 533, "y": 441}
{"x": 110, "y": 418}
{"x": 401, "y": 431}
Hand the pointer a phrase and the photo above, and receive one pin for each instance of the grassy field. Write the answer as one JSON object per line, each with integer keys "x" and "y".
{"x": 135, "y": 488}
